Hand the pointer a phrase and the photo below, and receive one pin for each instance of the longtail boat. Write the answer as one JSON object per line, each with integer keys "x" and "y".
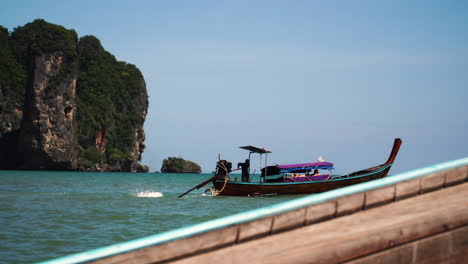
{"x": 293, "y": 178}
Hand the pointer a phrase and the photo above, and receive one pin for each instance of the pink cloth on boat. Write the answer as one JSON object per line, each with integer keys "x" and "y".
{"x": 311, "y": 178}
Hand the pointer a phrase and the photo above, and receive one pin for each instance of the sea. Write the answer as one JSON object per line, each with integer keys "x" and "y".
{"x": 45, "y": 214}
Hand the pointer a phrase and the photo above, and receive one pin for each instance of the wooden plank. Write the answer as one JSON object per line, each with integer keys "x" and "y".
{"x": 432, "y": 182}
{"x": 178, "y": 248}
{"x": 448, "y": 247}
{"x": 320, "y": 212}
{"x": 289, "y": 220}
{"x": 350, "y": 204}
{"x": 379, "y": 196}
{"x": 255, "y": 229}
{"x": 456, "y": 176}
{"x": 407, "y": 189}
{"x": 353, "y": 236}
{"x": 396, "y": 255}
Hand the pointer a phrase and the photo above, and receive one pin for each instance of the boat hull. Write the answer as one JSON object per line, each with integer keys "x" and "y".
{"x": 234, "y": 188}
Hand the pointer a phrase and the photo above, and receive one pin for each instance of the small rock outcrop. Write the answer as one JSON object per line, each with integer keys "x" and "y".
{"x": 67, "y": 104}
{"x": 179, "y": 165}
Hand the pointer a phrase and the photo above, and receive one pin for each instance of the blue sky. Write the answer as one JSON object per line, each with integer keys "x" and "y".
{"x": 339, "y": 79}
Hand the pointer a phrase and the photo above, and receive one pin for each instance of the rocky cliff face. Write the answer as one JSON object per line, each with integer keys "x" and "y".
{"x": 66, "y": 116}
{"x": 47, "y": 137}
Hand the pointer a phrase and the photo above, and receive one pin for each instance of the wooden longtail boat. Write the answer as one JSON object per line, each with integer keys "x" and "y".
{"x": 285, "y": 184}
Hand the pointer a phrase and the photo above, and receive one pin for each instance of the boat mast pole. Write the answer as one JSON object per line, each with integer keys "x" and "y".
{"x": 250, "y": 153}
{"x": 260, "y": 168}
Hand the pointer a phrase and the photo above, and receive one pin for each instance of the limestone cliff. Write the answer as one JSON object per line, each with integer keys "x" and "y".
{"x": 47, "y": 137}
{"x": 67, "y": 104}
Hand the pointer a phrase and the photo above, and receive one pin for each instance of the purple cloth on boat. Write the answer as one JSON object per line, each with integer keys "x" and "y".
{"x": 311, "y": 178}
{"x": 304, "y": 165}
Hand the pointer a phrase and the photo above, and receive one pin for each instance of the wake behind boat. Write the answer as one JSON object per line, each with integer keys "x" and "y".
{"x": 289, "y": 179}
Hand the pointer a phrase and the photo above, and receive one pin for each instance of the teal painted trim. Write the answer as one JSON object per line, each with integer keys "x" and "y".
{"x": 308, "y": 182}
{"x": 252, "y": 215}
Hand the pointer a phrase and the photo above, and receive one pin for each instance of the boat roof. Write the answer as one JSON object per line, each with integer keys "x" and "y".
{"x": 255, "y": 149}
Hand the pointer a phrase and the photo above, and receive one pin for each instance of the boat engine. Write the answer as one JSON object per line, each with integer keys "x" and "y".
{"x": 223, "y": 168}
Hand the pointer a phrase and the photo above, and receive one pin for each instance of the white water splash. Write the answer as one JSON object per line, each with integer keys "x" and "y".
{"x": 150, "y": 194}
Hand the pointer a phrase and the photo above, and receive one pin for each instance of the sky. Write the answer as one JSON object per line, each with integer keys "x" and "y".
{"x": 338, "y": 79}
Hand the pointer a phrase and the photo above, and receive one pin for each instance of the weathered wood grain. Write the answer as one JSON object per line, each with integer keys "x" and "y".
{"x": 357, "y": 235}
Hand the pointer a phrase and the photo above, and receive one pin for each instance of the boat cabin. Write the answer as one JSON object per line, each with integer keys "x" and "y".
{"x": 284, "y": 173}
{"x": 299, "y": 172}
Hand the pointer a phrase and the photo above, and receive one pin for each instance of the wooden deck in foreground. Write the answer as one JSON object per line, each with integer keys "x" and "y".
{"x": 429, "y": 228}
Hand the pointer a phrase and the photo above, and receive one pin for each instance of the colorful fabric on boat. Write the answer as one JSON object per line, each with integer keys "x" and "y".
{"x": 305, "y": 167}
{"x": 308, "y": 178}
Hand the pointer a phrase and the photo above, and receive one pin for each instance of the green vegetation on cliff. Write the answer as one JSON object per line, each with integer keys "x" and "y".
{"x": 12, "y": 86}
{"x": 107, "y": 90}
{"x": 179, "y": 165}
{"x": 40, "y": 37}
{"x": 108, "y": 109}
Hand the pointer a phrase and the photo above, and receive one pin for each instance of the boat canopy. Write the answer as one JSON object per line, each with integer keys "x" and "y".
{"x": 296, "y": 168}
{"x": 255, "y": 149}
{"x": 305, "y": 167}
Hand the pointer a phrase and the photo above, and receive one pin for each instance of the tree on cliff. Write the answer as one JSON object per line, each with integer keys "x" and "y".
{"x": 179, "y": 165}
{"x": 12, "y": 86}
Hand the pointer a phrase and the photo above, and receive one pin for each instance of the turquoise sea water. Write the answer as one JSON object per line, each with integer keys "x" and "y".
{"x": 45, "y": 215}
